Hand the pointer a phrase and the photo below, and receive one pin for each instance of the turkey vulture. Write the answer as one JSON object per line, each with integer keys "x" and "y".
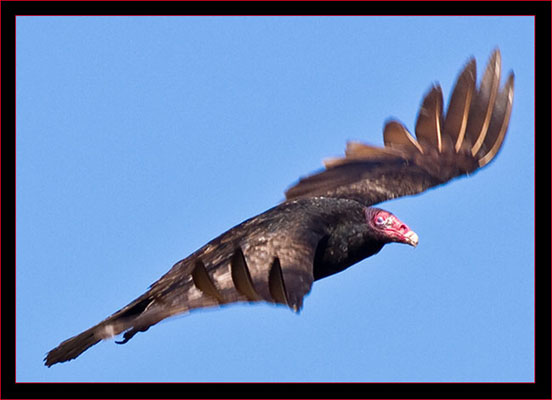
{"x": 326, "y": 223}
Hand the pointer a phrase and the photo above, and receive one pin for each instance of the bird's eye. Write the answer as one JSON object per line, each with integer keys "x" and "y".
{"x": 380, "y": 220}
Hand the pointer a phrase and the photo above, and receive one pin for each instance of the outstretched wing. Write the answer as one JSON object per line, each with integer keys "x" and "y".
{"x": 266, "y": 258}
{"x": 457, "y": 143}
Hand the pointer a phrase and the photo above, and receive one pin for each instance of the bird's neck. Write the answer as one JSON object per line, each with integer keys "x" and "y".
{"x": 349, "y": 243}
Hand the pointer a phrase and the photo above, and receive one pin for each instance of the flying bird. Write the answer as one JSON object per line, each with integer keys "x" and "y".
{"x": 327, "y": 222}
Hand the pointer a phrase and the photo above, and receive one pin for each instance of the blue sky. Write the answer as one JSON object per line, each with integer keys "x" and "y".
{"x": 139, "y": 139}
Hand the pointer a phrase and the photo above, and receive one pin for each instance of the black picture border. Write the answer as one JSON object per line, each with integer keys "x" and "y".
{"x": 541, "y": 388}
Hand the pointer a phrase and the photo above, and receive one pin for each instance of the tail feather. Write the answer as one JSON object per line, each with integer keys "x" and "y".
{"x": 166, "y": 297}
{"x": 130, "y": 317}
{"x": 72, "y": 348}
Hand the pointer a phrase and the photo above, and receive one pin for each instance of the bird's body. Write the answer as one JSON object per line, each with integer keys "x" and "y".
{"x": 326, "y": 224}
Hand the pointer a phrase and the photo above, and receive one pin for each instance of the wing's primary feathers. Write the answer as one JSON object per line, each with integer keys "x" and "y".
{"x": 465, "y": 138}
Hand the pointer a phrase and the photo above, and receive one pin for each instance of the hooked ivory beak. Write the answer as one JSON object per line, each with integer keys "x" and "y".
{"x": 411, "y": 238}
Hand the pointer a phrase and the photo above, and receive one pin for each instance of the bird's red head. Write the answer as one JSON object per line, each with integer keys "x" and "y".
{"x": 390, "y": 227}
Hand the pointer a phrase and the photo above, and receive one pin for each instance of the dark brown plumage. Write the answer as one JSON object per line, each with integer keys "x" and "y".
{"x": 326, "y": 223}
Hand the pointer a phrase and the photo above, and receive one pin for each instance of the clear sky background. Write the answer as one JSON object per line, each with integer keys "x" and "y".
{"x": 141, "y": 139}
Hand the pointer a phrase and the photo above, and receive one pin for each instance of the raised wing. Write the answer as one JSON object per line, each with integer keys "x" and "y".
{"x": 266, "y": 258}
{"x": 457, "y": 143}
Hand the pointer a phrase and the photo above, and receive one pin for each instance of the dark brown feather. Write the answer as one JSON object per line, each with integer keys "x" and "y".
{"x": 395, "y": 135}
{"x": 203, "y": 282}
{"x": 430, "y": 116}
{"x": 276, "y": 283}
{"x": 456, "y": 120}
{"x": 499, "y": 123}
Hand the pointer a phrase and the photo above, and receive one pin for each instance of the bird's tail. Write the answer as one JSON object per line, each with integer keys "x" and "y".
{"x": 72, "y": 348}
{"x": 138, "y": 316}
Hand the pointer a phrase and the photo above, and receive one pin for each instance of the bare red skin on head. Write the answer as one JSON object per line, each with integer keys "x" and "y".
{"x": 390, "y": 225}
